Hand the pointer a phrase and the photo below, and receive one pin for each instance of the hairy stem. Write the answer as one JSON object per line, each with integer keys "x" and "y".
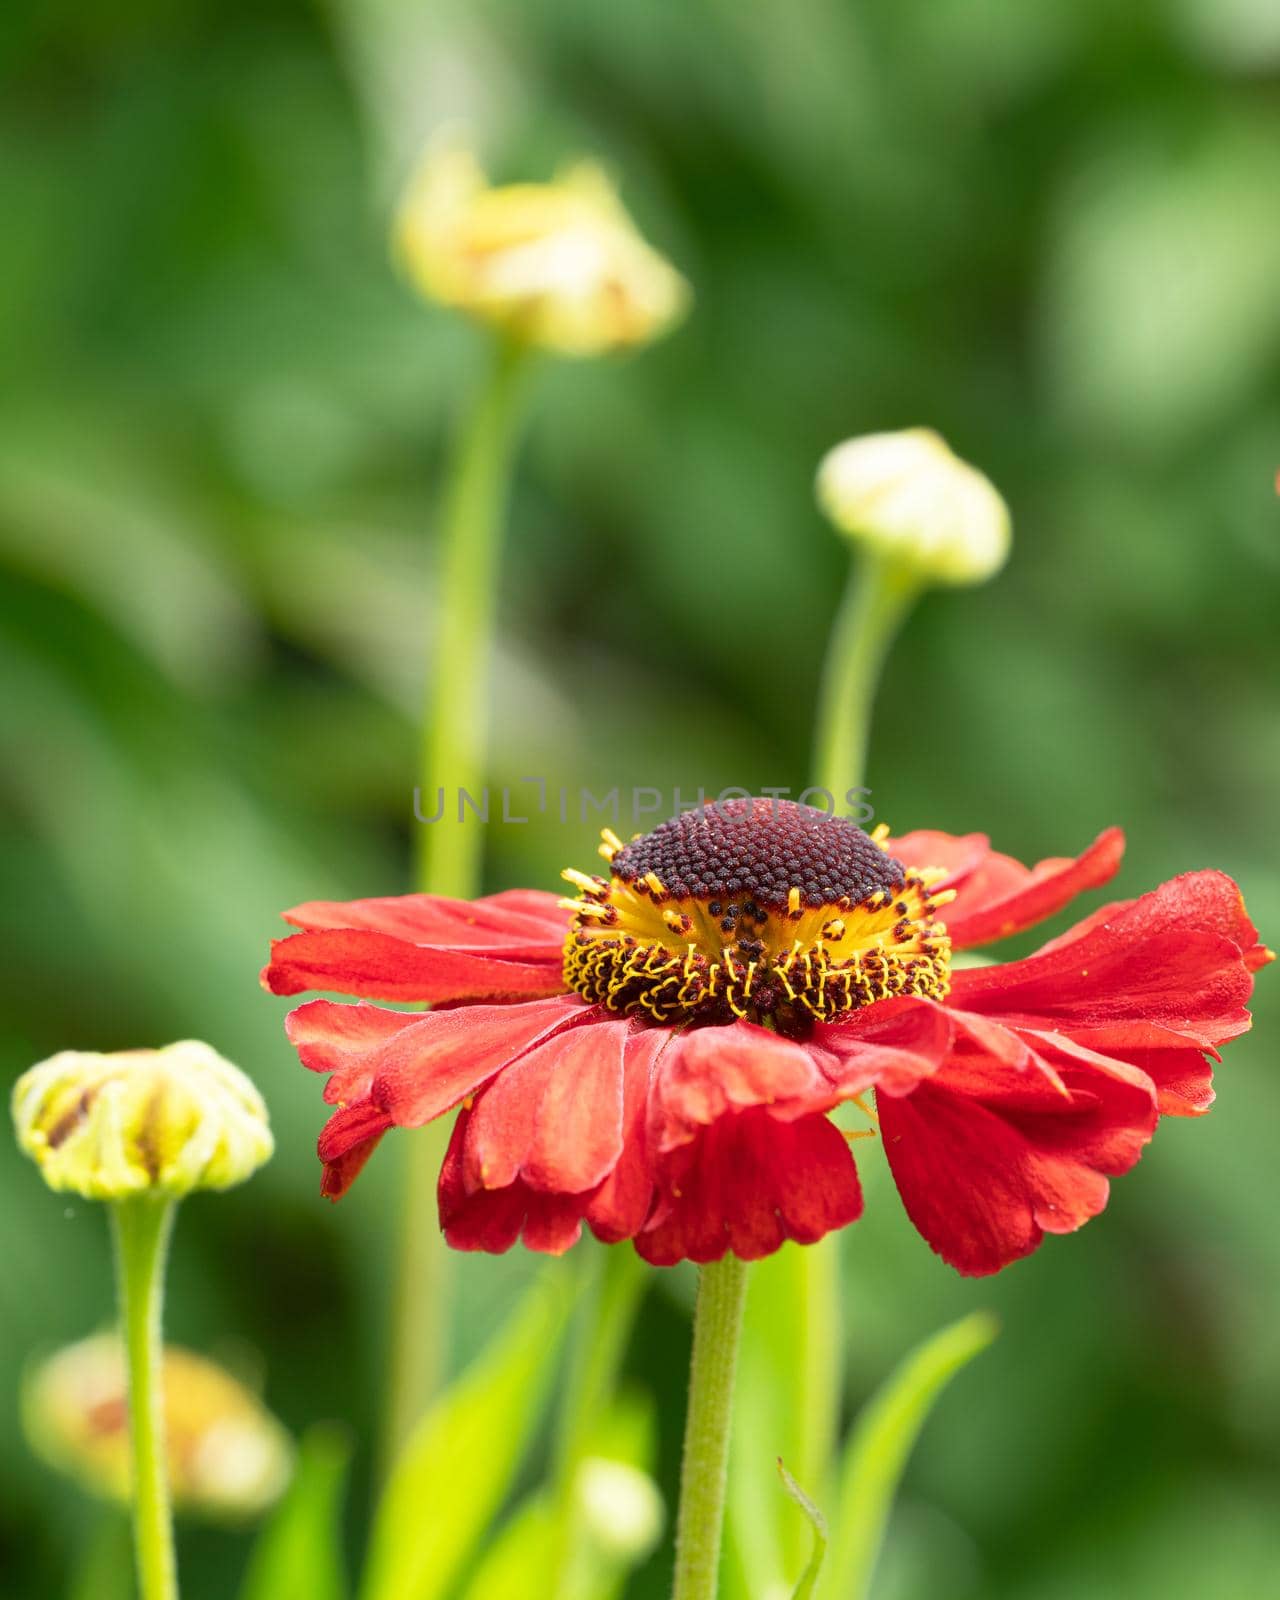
{"x": 717, "y": 1326}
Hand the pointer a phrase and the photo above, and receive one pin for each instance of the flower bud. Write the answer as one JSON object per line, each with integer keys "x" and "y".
{"x": 138, "y": 1122}
{"x": 621, "y": 1506}
{"x": 557, "y": 264}
{"x": 908, "y": 498}
{"x": 227, "y": 1455}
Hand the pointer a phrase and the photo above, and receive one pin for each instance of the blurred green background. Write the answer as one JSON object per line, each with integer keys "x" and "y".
{"x": 1049, "y": 230}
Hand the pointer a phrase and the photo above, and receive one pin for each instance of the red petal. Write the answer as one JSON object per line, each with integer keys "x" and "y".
{"x": 988, "y": 1159}
{"x": 490, "y": 1219}
{"x": 748, "y": 1183}
{"x": 1181, "y": 1074}
{"x": 493, "y": 1219}
{"x": 1209, "y": 902}
{"x": 423, "y": 947}
{"x": 377, "y": 966}
{"x": 344, "y": 1041}
{"x": 445, "y": 1055}
{"x": 522, "y": 920}
{"x": 554, "y": 1117}
{"x": 888, "y": 1046}
{"x": 714, "y": 1070}
{"x": 996, "y": 895}
{"x": 619, "y": 1207}
{"x": 960, "y": 853}
{"x": 1153, "y": 962}
{"x": 346, "y": 1142}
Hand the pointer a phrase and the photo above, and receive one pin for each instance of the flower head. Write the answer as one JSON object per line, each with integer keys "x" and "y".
{"x": 137, "y": 1122}
{"x": 227, "y": 1455}
{"x": 761, "y": 909}
{"x": 908, "y": 498}
{"x": 657, "y": 1057}
{"x": 555, "y": 264}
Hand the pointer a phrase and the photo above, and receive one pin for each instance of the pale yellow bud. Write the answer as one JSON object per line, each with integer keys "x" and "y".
{"x": 227, "y": 1455}
{"x": 141, "y": 1122}
{"x": 622, "y": 1507}
{"x": 557, "y": 264}
{"x": 907, "y": 497}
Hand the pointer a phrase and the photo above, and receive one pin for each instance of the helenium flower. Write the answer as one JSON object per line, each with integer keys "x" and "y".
{"x": 658, "y": 1057}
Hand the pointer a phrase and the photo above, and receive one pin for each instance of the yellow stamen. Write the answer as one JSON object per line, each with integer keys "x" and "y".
{"x": 586, "y": 909}
{"x": 642, "y": 948}
{"x": 581, "y": 881}
{"x": 859, "y": 1100}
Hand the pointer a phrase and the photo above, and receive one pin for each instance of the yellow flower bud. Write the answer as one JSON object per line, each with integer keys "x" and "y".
{"x": 907, "y": 497}
{"x": 141, "y": 1122}
{"x": 227, "y": 1455}
{"x": 556, "y": 264}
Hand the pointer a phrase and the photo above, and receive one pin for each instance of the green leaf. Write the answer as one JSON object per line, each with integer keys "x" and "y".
{"x": 518, "y": 1561}
{"x": 787, "y": 1402}
{"x": 809, "y": 1577}
{"x": 460, "y": 1460}
{"x": 583, "y": 1551}
{"x": 105, "y": 1570}
{"x": 881, "y": 1444}
{"x": 298, "y": 1554}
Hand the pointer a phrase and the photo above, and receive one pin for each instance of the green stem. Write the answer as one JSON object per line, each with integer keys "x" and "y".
{"x": 142, "y": 1229}
{"x": 449, "y": 853}
{"x": 717, "y": 1325}
{"x": 876, "y": 600}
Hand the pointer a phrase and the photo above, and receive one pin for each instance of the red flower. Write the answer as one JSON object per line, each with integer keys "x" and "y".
{"x": 658, "y": 1058}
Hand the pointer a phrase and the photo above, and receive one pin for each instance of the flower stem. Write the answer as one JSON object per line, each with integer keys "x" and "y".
{"x": 876, "y": 600}
{"x": 456, "y": 715}
{"x": 717, "y": 1325}
{"x": 142, "y": 1228}
{"x": 448, "y": 854}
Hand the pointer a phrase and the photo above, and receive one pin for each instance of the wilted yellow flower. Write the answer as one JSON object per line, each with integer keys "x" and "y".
{"x": 139, "y": 1122}
{"x": 227, "y": 1455}
{"x": 908, "y": 497}
{"x": 556, "y": 264}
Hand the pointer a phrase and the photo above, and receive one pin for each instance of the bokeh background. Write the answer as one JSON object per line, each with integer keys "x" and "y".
{"x": 1049, "y": 230}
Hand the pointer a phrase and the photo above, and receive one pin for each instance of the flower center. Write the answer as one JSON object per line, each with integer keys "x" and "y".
{"x": 763, "y": 909}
